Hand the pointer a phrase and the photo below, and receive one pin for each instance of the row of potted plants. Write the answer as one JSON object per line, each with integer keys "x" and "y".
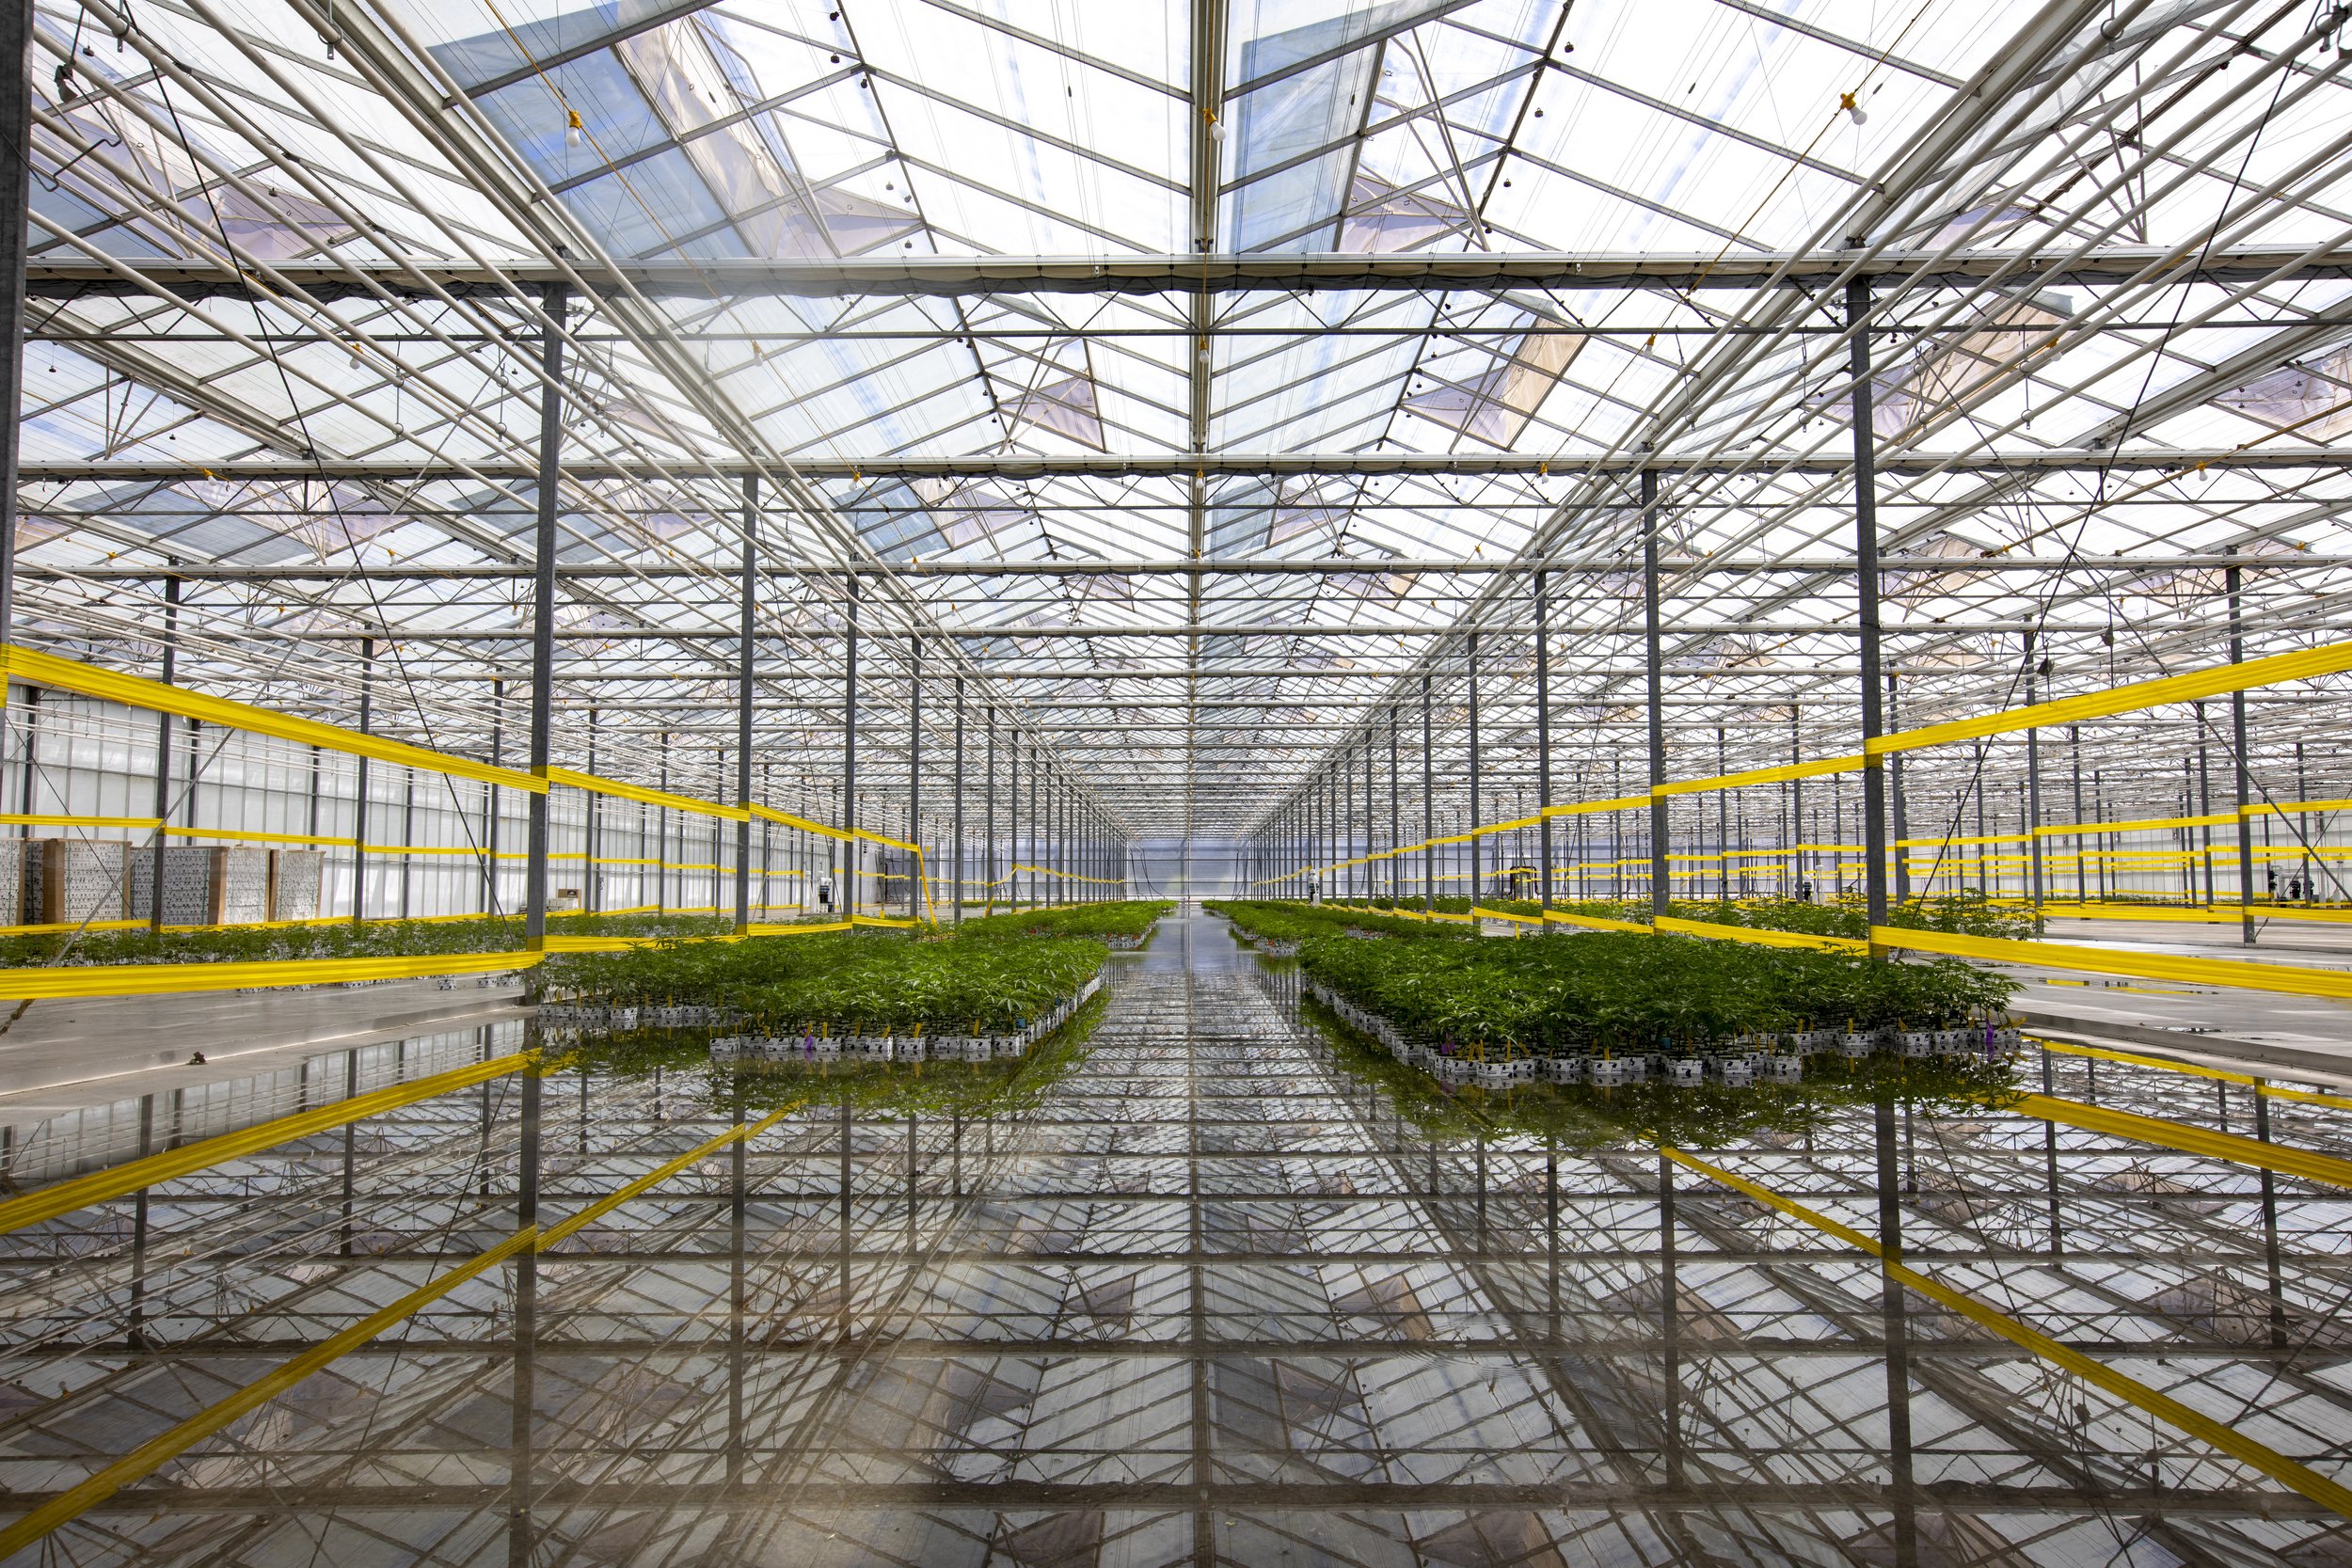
{"x": 1608, "y": 994}
{"x": 1122, "y": 925}
{"x": 1965, "y": 914}
{"x": 853, "y": 984}
{"x": 1587, "y": 1118}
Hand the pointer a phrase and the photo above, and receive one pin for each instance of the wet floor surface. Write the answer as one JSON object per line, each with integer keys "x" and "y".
{"x": 1210, "y": 1288}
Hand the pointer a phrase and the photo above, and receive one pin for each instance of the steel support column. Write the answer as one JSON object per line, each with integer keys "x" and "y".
{"x": 2237, "y": 743}
{"x": 359, "y": 803}
{"x": 849, "y": 757}
{"x": 1473, "y": 768}
{"x": 915, "y": 864}
{"x": 162, "y": 728}
{"x": 1654, "y": 667}
{"x": 954, "y": 883}
{"x": 1428, "y": 809}
{"x": 743, "y": 709}
{"x": 1543, "y": 734}
{"x": 1866, "y": 513}
{"x": 16, "y": 141}
{"x": 554, "y": 303}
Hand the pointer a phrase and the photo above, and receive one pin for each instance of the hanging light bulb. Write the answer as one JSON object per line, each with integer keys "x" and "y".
{"x": 1854, "y": 110}
{"x": 571, "y": 132}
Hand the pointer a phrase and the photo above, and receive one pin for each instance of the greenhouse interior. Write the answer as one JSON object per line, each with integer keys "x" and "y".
{"x": 1380, "y": 797}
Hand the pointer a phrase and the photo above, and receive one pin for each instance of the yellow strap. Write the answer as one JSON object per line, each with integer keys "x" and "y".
{"x": 112, "y": 686}
{"x": 153, "y": 980}
{"x": 2228, "y": 1439}
{"x": 2304, "y": 664}
{"x": 1761, "y": 937}
{"x": 2285, "y": 980}
{"x": 1588, "y": 808}
{"x": 595, "y": 784}
{"x": 1594, "y": 922}
{"x": 1785, "y": 773}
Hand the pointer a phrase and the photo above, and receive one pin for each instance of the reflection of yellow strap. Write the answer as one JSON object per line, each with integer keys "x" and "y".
{"x": 101, "y": 1185}
{"x": 2228, "y": 1439}
{"x": 2286, "y": 979}
{"x": 2309, "y": 1165}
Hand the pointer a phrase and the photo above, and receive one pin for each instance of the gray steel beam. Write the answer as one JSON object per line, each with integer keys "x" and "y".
{"x": 958, "y": 276}
{"x": 1739, "y": 565}
{"x": 1187, "y": 465}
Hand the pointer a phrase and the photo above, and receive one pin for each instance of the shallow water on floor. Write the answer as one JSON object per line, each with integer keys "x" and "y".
{"x": 1205, "y": 1286}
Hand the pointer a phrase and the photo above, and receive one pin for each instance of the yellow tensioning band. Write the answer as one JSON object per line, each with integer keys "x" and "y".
{"x": 2303, "y": 664}
{"x": 111, "y": 685}
{"x": 2228, "y": 1439}
{"x": 154, "y": 979}
{"x": 595, "y": 784}
{"x": 2285, "y": 980}
{"x": 1760, "y": 936}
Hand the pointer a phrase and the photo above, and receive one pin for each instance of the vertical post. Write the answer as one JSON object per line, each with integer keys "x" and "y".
{"x": 2233, "y": 580}
{"x": 163, "y": 731}
{"x": 554, "y": 304}
{"x": 1543, "y": 734}
{"x": 915, "y": 776}
{"x": 954, "y": 883}
{"x": 2074, "y": 746}
{"x": 1396, "y": 837}
{"x": 1723, "y": 821}
{"x": 2203, "y": 832}
{"x": 1866, "y": 527}
{"x": 988, "y": 838}
{"x": 1654, "y": 667}
{"x": 16, "y": 140}
{"x": 491, "y": 801}
{"x": 743, "y": 707}
{"x": 1796, "y": 812}
{"x": 849, "y": 758}
{"x": 359, "y": 806}
{"x": 1894, "y": 799}
{"x": 1013, "y": 820}
{"x": 1473, "y": 767}
{"x": 2033, "y": 785}
{"x": 591, "y": 806}
{"x": 661, "y": 835}
{"x": 1428, "y": 809}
